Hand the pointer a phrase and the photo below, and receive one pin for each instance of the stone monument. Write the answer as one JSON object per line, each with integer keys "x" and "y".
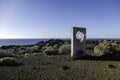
{"x": 78, "y": 42}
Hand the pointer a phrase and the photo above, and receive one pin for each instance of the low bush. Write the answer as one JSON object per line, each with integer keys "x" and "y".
{"x": 7, "y": 61}
{"x": 65, "y": 48}
{"x": 26, "y": 55}
{"x": 107, "y": 48}
{"x": 56, "y": 46}
{"x": 33, "y": 49}
{"x": 5, "y": 54}
{"x": 50, "y": 51}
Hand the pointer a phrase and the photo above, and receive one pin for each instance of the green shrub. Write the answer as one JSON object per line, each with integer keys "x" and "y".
{"x": 36, "y": 54}
{"x": 56, "y": 46}
{"x": 7, "y": 61}
{"x": 5, "y": 54}
{"x": 33, "y": 49}
{"x": 107, "y": 48}
{"x": 50, "y": 51}
{"x": 65, "y": 49}
{"x": 26, "y": 55}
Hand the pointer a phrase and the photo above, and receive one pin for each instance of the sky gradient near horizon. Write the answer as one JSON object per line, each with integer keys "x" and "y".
{"x": 54, "y": 18}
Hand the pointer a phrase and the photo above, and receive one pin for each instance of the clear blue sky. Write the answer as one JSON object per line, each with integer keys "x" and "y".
{"x": 54, "y": 18}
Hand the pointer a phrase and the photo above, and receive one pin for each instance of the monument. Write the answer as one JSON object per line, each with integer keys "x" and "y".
{"x": 78, "y": 42}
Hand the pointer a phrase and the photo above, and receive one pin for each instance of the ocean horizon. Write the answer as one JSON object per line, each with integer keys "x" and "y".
{"x": 5, "y": 42}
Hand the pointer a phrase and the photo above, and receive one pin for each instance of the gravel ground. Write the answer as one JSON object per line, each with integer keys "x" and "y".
{"x": 61, "y": 67}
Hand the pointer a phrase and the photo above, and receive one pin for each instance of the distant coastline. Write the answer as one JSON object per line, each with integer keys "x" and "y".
{"x": 5, "y": 42}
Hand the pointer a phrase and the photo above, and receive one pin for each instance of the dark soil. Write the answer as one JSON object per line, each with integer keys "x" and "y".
{"x": 61, "y": 67}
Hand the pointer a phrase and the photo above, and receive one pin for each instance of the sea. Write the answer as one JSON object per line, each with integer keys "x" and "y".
{"x": 6, "y": 42}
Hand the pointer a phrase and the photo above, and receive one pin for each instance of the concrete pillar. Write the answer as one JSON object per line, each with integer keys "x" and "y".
{"x": 78, "y": 42}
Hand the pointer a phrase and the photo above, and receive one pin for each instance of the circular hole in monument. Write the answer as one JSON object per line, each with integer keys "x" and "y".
{"x": 79, "y": 35}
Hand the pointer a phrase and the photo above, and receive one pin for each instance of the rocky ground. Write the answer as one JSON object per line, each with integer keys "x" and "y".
{"x": 60, "y": 67}
{"x": 39, "y": 66}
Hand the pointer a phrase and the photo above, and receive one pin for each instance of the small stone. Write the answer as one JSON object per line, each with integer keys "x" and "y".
{"x": 64, "y": 67}
{"x": 111, "y": 66}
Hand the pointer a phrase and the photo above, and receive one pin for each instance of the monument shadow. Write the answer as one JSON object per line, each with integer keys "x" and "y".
{"x": 99, "y": 58}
